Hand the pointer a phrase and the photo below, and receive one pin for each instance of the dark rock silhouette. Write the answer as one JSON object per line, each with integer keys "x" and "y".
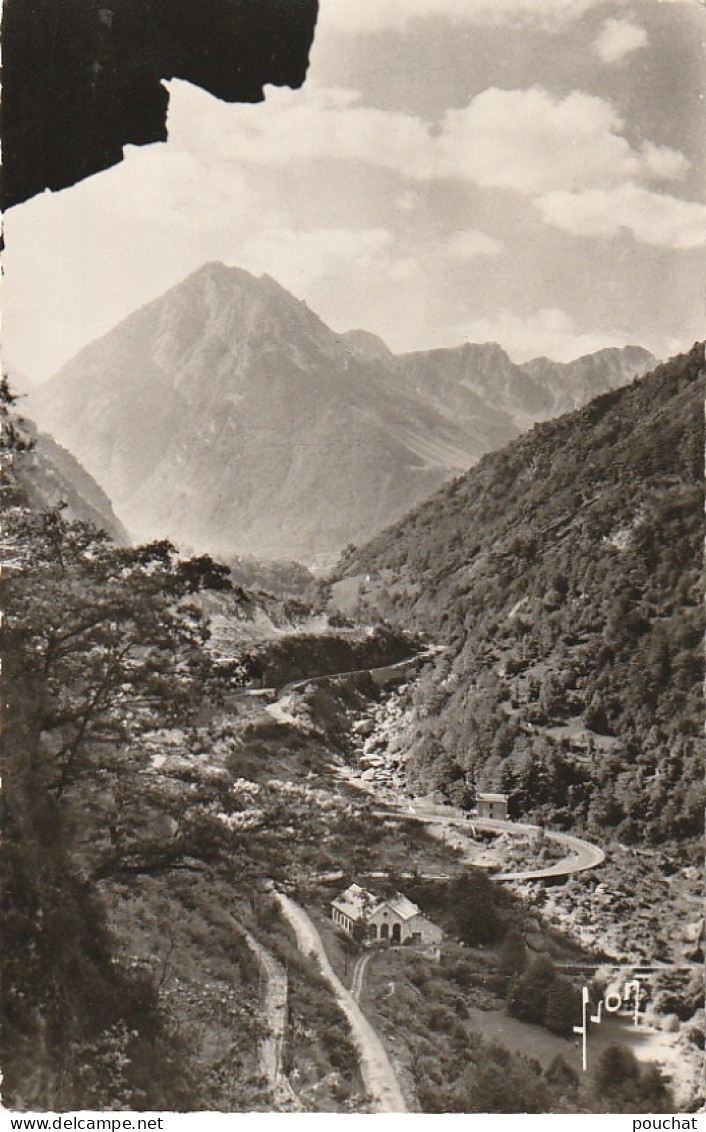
{"x": 82, "y": 78}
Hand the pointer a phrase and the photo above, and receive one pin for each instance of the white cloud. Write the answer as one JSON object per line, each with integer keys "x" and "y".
{"x": 618, "y": 38}
{"x": 470, "y": 244}
{"x": 304, "y": 259}
{"x": 313, "y": 124}
{"x": 160, "y": 184}
{"x": 527, "y": 140}
{"x": 364, "y": 16}
{"x": 337, "y": 198}
{"x": 568, "y": 154}
{"x": 531, "y": 141}
{"x": 653, "y": 218}
{"x": 360, "y": 246}
{"x": 550, "y": 332}
{"x": 407, "y": 201}
{"x": 663, "y": 164}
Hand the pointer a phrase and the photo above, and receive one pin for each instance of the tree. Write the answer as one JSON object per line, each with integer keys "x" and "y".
{"x": 622, "y": 1080}
{"x": 14, "y": 442}
{"x": 475, "y": 916}
{"x": 528, "y": 994}
{"x": 101, "y": 642}
{"x": 595, "y": 716}
{"x": 461, "y": 792}
{"x": 513, "y": 953}
{"x": 514, "y": 1087}
{"x": 13, "y": 438}
{"x": 654, "y": 1091}
{"x": 617, "y": 1066}
{"x": 563, "y": 1009}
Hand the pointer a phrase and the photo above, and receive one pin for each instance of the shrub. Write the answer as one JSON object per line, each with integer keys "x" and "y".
{"x": 513, "y": 953}
{"x": 441, "y": 1018}
{"x": 528, "y": 994}
{"x": 563, "y": 1008}
{"x": 560, "y": 1074}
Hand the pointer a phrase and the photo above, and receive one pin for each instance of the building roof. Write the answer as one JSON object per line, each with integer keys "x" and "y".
{"x": 358, "y": 904}
{"x": 492, "y": 797}
{"x": 355, "y": 902}
{"x": 401, "y": 905}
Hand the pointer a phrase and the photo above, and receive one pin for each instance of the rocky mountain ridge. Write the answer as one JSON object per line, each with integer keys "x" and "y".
{"x": 227, "y": 416}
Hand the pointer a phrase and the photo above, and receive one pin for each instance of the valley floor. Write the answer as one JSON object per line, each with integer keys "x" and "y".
{"x": 276, "y": 1009}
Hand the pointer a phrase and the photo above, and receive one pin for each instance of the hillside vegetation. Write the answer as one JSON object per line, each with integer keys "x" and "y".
{"x": 131, "y": 842}
{"x": 564, "y": 574}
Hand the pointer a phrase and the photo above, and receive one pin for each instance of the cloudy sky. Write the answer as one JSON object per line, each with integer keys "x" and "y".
{"x": 523, "y": 171}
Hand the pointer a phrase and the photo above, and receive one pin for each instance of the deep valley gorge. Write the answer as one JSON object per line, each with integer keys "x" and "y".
{"x": 285, "y": 616}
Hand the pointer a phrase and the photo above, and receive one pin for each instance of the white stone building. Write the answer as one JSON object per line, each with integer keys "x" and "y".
{"x": 392, "y": 920}
{"x": 492, "y": 806}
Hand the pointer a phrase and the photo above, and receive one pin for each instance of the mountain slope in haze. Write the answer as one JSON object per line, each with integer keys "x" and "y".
{"x": 472, "y": 378}
{"x": 569, "y": 385}
{"x": 466, "y": 380}
{"x": 364, "y": 342}
{"x": 228, "y": 416}
{"x": 565, "y": 574}
{"x": 48, "y": 475}
{"x": 225, "y": 415}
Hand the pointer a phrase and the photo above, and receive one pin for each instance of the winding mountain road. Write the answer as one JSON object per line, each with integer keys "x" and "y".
{"x": 582, "y": 854}
{"x": 408, "y": 662}
{"x": 294, "y": 685}
{"x": 376, "y": 1068}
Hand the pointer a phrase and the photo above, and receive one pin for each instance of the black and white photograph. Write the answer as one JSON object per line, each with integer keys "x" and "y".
{"x": 351, "y": 466}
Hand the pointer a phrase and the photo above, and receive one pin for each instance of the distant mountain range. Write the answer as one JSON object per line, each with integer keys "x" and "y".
{"x": 227, "y": 416}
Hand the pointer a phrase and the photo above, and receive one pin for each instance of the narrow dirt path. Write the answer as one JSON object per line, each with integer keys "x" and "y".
{"x": 358, "y": 980}
{"x": 376, "y": 1068}
{"x": 274, "y": 1013}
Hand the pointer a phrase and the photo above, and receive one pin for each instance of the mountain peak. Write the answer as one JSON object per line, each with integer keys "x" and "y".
{"x": 366, "y": 343}
{"x": 227, "y": 416}
{"x": 230, "y": 281}
{"x": 220, "y": 273}
{"x": 484, "y": 348}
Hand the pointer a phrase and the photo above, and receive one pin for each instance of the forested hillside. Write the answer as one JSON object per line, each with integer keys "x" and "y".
{"x": 100, "y": 644}
{"x": 150, "y": 805}
{"x": 564, "y": 573}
